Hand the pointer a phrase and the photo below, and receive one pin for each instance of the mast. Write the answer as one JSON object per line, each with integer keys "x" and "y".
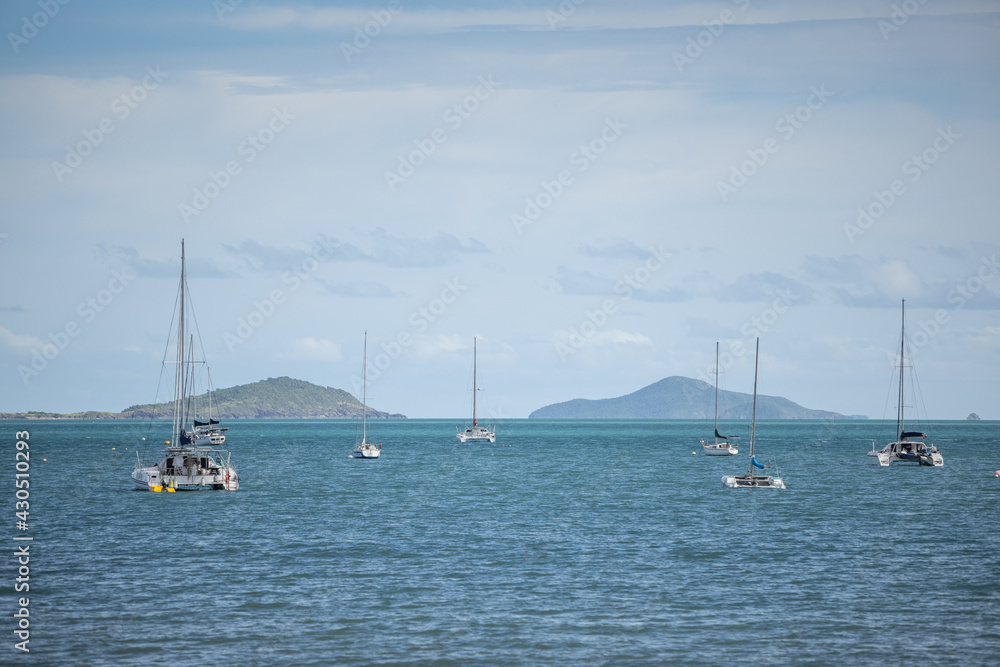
{"x": 715, "y": 433}
{"x": 364, "y": 393}
{"x": 753, "y": 418}
{"x": 179, "y": 372}
{"x": 474, "y": 387}
{"x": 902, "y": 345}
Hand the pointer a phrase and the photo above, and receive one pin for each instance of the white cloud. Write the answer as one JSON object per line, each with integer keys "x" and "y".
{"x": 18, "y": 341}
{"x": 315, "y": 349}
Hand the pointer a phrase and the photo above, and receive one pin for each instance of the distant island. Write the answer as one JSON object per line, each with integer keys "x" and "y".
{"x": 273, "y": 398}
{"x": 973, "y": 417}
{"x": 682, "y": 398}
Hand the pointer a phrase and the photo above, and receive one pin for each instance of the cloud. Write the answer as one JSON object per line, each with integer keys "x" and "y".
{"x": 382, "y": 248}
{"x": 314, "y": 349}
{"x": 197, "y": 267}
{"x": 764, "y": 286}
{"x": 582, "y": 283}
{"x": 16, "y": 308}
{"x": 857, "y": 282}
{"x": 392, "y": 250}
{"x": 631, "y": 16}
{"x": 359, "y": 289}
{"x": 18, "y": 341}
{"x": 619, "y": 249}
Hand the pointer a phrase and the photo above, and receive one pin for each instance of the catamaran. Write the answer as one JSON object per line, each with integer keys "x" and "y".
{"x": 909, "y": 446}
{"x": 750, "y": 480}
{"x": 476, "y": 432}
{"x": 365, "y": 449}
{"x": 721, "y": 446}
{"x": 190, "y": 460}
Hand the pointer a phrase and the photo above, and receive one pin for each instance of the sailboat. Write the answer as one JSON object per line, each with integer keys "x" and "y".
{"x": 188, "y": 461}
{"x": 365, "y": 449}
{"x": 476, "y": 432}
{"x": 721, "y": 446}
{"x": 909, "y": 446}
{"x": 750, "y": 480}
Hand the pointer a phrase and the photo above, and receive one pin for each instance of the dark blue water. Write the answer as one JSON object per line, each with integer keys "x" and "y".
{"x": 574, "y": 542}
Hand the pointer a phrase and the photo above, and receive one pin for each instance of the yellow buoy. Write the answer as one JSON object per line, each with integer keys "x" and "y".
{"x": 157, "y": 489}
{"x": 171, "y": 490}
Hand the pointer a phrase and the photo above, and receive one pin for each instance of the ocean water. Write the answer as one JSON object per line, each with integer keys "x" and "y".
{"x": 563, "y": 543}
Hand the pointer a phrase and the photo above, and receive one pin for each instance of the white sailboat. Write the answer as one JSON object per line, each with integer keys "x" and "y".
{"x": 188, "y": 461}
{"x": 750, "y": 480}
{"x": 476, "y": 432}
{"x": 365, "y": 449}
{"x": 909, "y": 446}
{"x": 721, "y": 445}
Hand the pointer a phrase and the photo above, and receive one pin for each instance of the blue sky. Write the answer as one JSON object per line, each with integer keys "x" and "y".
{"x": 598, "y": 191}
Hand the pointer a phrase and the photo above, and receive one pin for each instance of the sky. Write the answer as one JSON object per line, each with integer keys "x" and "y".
{"x": 597, "y": 192}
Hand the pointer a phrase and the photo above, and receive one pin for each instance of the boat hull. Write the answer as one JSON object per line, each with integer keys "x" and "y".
{"x": 712, "y": 450}
{"x": 752, "y": 482}
{"x": 477, "y": 433}
{"x": 905, "y": 452}
{"x": 187, "y": 470}
{"x": 367, "y": 451}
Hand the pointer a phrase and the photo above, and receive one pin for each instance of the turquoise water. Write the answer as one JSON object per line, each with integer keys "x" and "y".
{"x": 574, "y": 542}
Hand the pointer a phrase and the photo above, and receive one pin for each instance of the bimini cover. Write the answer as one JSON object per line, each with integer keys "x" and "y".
{"x": 912, "y": 434}
{"x": 210, "y": 422}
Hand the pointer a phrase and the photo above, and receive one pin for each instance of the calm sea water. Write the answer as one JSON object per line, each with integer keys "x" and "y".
{"x": 563, "y": 543}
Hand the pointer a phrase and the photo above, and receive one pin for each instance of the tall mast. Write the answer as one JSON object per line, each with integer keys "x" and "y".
{"x": 474, "y": 388}
{"x": 715, "y": 434}
{"x": 364, "y": 394}
{"x": 753, "y": 418}
{"x": 902, "y": 346}
{"x": 180, "y": 372}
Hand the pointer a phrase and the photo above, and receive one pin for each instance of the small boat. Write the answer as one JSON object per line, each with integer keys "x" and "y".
{"x": 909, "y": 446}
{"x": 750, "y": 480}
{"x": 722, "y": 445}
{"x": 476, "y": 432}
{"x": 365, "y": 449}
{"x": 191, "y": 459}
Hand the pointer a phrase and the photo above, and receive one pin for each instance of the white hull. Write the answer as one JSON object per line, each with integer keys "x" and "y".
{"x": 752, "y": 482}
{"x": 152, "y": 478}
{"x": 477, "y": 433}
{"x": 720, "y": 449}
{"x": 905, "y": 452}
{"x": 367, "y": 451}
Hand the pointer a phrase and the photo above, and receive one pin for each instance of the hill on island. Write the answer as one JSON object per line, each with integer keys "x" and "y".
{"x": 273, "y": 398}
{"x": 681, "y": 398}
